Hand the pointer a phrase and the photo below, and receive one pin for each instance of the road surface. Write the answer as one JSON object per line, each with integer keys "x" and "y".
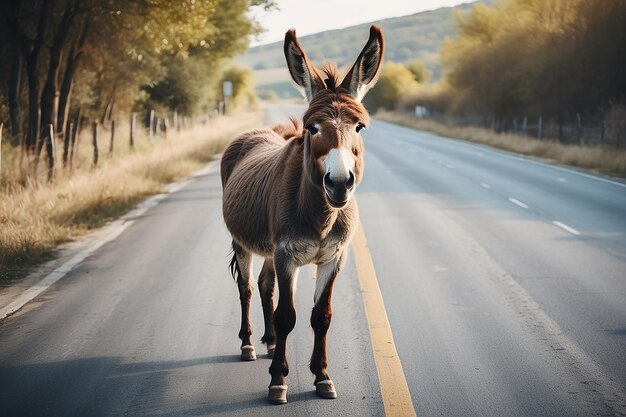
{"x": 504, "y": 281}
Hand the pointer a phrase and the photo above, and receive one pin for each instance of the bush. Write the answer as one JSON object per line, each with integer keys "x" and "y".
{"x": 394, "y": 82}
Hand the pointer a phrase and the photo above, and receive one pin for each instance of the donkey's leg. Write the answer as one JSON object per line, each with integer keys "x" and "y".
{"x": 243, "y": 269}
{"x": 320, "y": 321}
{"x": 284, "y": 322}
{"x": 267, "y": 279}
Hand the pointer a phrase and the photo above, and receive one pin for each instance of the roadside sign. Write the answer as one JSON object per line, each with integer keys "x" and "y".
{"x": 228, "y": 88}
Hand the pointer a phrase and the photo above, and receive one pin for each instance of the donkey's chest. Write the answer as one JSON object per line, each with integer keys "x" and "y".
{"x": 306, "y": 251}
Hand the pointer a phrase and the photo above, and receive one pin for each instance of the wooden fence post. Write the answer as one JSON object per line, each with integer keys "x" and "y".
{"x": 165, "y": 124}
{"x": 50, "y": 150}
{"x": 175, "y": 124}
{"x": 539, "y": 128}
{"x": 74, "y": 144}
{"x": 579, "y": 129}
{"x": 112, "y": 137}
{"x": 133, "y": 128}
{"x": 94, "y": 133}
{"x": 66, "y": 143}
{"x": 155, "y": 124}
{"x": 150, "y": 124}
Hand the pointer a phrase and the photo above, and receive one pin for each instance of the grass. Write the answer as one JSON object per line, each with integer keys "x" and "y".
{"x": 600, "y": 159}
{"x": 36, "y": 216}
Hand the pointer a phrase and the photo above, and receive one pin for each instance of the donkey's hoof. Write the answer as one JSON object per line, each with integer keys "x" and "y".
{"x": 270, "y": 351}
{"x": 248, "y": 353}
{"x": 325, "y": 389}
{"x": 278, "y": 394}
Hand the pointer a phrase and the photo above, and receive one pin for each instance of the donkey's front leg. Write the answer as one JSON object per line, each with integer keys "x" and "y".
{"x": 320, "y": 321}
{"x": 284, "y": 322}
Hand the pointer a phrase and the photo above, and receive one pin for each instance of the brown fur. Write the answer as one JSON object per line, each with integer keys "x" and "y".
{"x": 276, "y": 198}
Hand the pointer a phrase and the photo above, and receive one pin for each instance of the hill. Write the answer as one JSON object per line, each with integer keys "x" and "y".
{"x": 417, "y": 36}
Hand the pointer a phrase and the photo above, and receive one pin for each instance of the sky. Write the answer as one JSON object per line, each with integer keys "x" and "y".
{"x": 312, "y": 16}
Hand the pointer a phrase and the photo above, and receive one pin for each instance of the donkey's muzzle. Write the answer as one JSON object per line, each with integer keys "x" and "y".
{"x": 338, "y": 191}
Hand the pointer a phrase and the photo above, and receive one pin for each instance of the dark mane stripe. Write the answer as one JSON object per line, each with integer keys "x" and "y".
{"x": 332, "y": 78}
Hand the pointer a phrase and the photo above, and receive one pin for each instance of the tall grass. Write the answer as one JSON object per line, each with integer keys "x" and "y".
{"x": 36, "y": 216}
{"x": 607, "y": 160}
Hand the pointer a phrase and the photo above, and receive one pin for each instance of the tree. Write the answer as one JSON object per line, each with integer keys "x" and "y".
{"x": 395, "y": 81}
{"x": 117, "y": 46}
{"x": 420, "y": 73}
{"x": 549, "y": 57}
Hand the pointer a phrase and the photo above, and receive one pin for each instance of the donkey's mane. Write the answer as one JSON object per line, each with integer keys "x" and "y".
{"x": 332, "y": 78}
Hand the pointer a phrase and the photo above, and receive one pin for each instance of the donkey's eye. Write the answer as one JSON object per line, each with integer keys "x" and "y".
{"x": 359, "y": 127}
{"x": 312, "y": 128}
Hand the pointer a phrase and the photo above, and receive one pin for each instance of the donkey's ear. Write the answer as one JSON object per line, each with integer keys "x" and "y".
{"x": 364, "y": 73}
{"x": 301, "y": 69}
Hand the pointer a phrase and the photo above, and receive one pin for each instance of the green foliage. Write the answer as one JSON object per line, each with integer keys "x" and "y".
{"x": 394, "y": 82}
{"x": 420, "y": 73}
{"x": 243, "y": 86}
{"x": 121, "y": 53}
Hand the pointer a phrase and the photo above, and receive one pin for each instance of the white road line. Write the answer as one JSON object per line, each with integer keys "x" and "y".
{"x": 518, "y": 203}
{"x": 449, "y": 166}
{"x": 523, "y": 158}
{"x": 487, "y": 186}
{"x": 560, "y": 179}
{"x": 566, "y": 227}
{"x": 111, "y": 232}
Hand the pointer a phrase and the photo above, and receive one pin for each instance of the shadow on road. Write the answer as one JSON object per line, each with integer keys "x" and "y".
{"x": 107, "y": 386}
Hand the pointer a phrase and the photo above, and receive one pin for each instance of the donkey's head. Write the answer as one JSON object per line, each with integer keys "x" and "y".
{"x": 333, "y": 147}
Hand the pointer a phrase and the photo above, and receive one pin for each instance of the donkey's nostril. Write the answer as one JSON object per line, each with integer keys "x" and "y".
{"x": 328, "y": 182}
{"x": 350, "y": 182}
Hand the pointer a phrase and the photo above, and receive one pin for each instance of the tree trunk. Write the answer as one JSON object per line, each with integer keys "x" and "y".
{"x": 15, "y": 79}
{"x": 50, "y": 90}
{"x": 33, "y": 103}
{"x": 73, "y": 61}
{"x": 32, "y": 57}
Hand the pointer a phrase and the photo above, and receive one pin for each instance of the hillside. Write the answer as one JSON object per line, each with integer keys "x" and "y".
{"x": 418, "y": 36}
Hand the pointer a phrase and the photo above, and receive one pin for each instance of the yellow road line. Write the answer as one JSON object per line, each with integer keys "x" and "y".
{"x": 393, "y": 386}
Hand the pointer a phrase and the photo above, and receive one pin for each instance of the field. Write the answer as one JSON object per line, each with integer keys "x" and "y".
{"x": 36, "y": 216}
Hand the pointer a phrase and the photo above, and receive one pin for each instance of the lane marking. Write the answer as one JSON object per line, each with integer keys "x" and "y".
{"x": 519, "y": 203}
{"x": 450, "y": 166}
{"x": 487, "y": 186}
{"x": 560, "y": 179}
{"x": 566, "y": 227}
{"x": 110, "y": 232}
{"x": 393, "y": 386}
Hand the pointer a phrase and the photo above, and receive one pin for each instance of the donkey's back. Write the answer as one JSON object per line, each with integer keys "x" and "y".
{"x": 248, "y": 166}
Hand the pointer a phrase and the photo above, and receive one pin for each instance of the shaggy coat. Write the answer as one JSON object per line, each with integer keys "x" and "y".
{"x": 288, "y": 197}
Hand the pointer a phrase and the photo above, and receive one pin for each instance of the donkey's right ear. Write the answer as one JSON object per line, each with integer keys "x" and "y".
{"x": 364, "y": 73}
{"x": 301, "y": 69}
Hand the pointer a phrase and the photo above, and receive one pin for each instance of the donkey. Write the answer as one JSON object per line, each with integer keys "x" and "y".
{"x": 288, "y": 197}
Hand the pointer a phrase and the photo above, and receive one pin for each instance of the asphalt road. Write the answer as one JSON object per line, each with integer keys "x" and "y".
{"x": 504, "y": 281}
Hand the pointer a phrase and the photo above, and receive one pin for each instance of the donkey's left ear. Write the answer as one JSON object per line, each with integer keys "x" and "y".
{"x": 364, "y": 73}
{"x": 302, "y": 71}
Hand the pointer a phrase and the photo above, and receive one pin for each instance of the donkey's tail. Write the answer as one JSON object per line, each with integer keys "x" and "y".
{"x": 233, "y": 267}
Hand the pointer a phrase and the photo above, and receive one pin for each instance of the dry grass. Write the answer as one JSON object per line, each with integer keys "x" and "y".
{"x": 38, "y": 216}
{"x": 596, "y": 158}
